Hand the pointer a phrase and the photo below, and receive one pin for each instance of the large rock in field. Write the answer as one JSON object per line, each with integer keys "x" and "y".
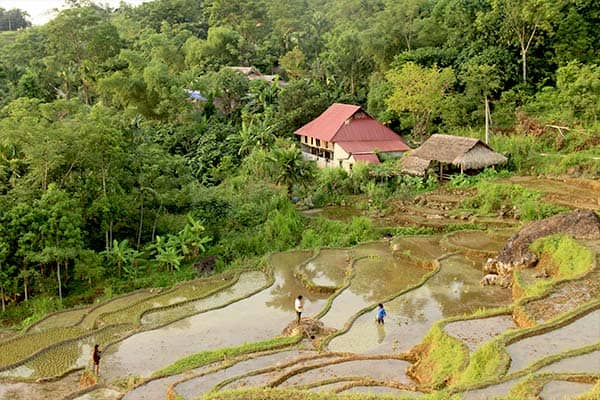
{"x": 580, "y": 224}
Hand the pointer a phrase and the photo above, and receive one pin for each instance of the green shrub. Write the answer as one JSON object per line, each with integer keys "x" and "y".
{"x": 491, "y": 197}
{"x": 466, "y": 181}
{"x": 332, "y": 185}
{"x": 323, "y": 232}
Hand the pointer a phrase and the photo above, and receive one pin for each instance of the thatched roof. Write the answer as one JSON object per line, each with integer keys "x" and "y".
{"x": 414, "y": 165}
{"x": 467, "y": 153}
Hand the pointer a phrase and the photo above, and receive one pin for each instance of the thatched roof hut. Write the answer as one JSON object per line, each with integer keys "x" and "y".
{"x": 462, "y": 152}
{"x": 414, "y": 165}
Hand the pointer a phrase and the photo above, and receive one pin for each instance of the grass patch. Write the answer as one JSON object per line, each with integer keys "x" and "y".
{"x": 486, "y": 363}
{"x": 593, "y": 394}
{"x": 527, "y": 388}
{"x": 533, "y": 289}
{"x": 570, "y": 257}
{"x": 444, "y": 358}
{"x": 323, "y": 232}
{"x": 210, "y": 356}
{"x": 492, "y": 197}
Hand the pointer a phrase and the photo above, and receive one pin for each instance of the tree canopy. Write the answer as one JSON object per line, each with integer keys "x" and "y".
{"x": 129, "y": 146}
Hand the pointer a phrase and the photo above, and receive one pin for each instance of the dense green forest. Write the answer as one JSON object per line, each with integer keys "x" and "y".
{"x": 112, "y": 178}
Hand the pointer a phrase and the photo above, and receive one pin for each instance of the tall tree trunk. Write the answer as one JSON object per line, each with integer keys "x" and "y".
{"x": 2, "y": 297}
{"x": 139, "y": 238}
{"x": 25, "y": 289}
{"x": 487, "y": 121}
{"x": 524, "y": 62}
{"x": 110, "y": 232}
{"x": 59, "y": 280}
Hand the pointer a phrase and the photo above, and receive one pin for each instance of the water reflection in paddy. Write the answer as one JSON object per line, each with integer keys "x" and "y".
{"x": 474, "y": 332}
{"x": 490, "y": 392}
{"x": 328, "y": 268}
{"x": 196, "y": 387}
{"x": 560, "y": 390}
{"x": 259, "y": 317}
{"x": 384, "y": 370}
{"x": 377, "y": 275}
{"x": 584, "y": 331}
{"x": 251, "y": 282}
{"x": 587, "y": 363}
{"x": 454, "y": 290}
{"x": 381, "y": 390}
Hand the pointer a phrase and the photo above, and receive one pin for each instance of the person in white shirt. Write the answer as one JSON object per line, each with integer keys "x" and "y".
{"x": 299, "y": 306}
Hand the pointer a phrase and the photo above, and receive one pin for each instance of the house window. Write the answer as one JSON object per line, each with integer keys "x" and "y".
{"x": 312, "y": 141}
{"x": 318, "y": 142}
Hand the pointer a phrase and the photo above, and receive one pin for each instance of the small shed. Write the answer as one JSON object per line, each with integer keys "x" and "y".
{"x": 452, "y": 153}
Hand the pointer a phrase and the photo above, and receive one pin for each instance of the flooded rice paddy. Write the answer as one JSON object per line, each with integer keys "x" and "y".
{"x": 267, "y": 375}
{"x": 100, "y": 394}
{"x": 56, "y": 389}
{"x": 454, "y": 290}
{"x": 260, "y": 316}
{"x": 383, "y": 390}
{"x": 384, "y": 370}
{"x": 476, "y": 241}
{"x": 246, "y": 284}
{"x": 203, "y": 384}
{"x": 377, "y": 275}
{"x": 585, "y": 363}
{"x": 223, "y": 311}
{"x": 64, "y": 356}
{"x": 490, "y": 392}
{"x": 582, "y": 332}
{"x": 474, "y": 332}
{"x": 327, "y": 269}
{"x": 561, "y": 390}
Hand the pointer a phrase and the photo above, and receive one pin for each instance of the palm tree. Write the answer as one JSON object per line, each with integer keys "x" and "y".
{"x": 289, "y": 168}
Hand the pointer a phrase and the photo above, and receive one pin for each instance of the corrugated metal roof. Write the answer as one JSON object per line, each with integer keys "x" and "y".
{"x": 365, "y": 129}
{"x": 326, "y": 125}
{"x": 369, "y": 158}
{"x": 354, "y": 131}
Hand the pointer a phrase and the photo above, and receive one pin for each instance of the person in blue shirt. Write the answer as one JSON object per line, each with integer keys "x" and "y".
{"x": 380, "y": 313}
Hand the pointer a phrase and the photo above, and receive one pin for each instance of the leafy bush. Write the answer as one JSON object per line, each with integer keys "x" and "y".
{"x": 491, "y": 197}
{"x": 332, "y": 185}
{"x": 466, "y": 181}
{"x": 323, "y": 232}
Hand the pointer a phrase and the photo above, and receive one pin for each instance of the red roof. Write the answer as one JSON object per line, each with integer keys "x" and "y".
{"x": 368, "y": 158}
{"x": 327, "y": 125}
{"x": 337, "y": 125}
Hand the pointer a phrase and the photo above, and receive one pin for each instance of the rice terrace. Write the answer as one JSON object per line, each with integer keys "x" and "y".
{"x": 446, "y": 334}
{"x": 299, "y": 200}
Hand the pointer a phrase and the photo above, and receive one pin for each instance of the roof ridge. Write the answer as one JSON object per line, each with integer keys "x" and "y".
{"x": 337, "y": 131}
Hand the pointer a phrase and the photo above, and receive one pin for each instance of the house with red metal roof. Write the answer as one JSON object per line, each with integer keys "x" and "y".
{"x": 344, "y": 135}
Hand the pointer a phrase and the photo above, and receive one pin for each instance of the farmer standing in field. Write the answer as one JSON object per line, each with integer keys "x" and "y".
{"x": 299, "y": 306}
{"x": 381, "y": 314}
{"x": 96, "y": 358}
